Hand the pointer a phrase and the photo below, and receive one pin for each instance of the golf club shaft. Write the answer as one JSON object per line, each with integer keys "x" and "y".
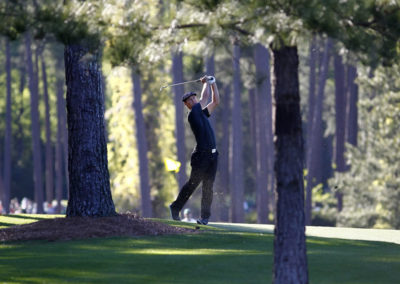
{"x": 193, "y": 81}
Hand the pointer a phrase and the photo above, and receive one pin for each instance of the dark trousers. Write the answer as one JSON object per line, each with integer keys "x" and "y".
{"x": 204, "y": 169}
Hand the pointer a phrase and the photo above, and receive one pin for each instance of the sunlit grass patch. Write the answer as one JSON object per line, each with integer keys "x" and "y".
{"x": 20, "y": 219}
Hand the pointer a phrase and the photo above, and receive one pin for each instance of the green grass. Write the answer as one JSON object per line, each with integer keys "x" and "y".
{"x": 215, "y": 256}
{"x": 19, "y": 219}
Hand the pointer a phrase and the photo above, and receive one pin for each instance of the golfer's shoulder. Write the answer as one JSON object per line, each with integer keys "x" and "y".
{"x": 206, "y": 111}
{"x": 196, "y": 108}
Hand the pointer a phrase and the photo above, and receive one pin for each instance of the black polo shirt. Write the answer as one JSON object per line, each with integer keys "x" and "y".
{"x": 201, "y": 127}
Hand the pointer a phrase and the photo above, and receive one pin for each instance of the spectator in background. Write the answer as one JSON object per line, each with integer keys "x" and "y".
{"x": 187, "y": 214}
{"x": 26, "y": 205}
{"x": 14, "y": 206}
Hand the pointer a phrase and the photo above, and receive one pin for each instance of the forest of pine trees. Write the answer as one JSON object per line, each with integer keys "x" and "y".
{"x": 307, "y": 127}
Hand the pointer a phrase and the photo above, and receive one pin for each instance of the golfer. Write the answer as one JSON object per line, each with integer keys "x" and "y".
{"x": 205, "y": 156}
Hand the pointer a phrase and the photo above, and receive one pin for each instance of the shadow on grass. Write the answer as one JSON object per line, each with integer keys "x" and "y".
{"x": 197, "y": 258}
{"x": 5, "y": 225}
{"x": 25, "y": 217}
{"x": 210, "y": 257}
{"x": 213, "y": 257}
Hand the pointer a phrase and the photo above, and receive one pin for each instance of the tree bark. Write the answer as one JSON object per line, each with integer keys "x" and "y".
{"x": 237, "y": 193}
{"x": 49, "y": 147}
{"x": 264, "y": 129}
{"x": 142, "y": 146}
{"x": 177, "y": 71}
{"x": 34, "y": 90}
{"x": 290, "y": 259}
{"x": 340, "y": 119}
{"x": 7, "y": 136}
{"x": 314, "y": 168}
{"x": 89, "y": 193}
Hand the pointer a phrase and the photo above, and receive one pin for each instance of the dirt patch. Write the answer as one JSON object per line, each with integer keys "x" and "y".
{"x": 73, "y": 228}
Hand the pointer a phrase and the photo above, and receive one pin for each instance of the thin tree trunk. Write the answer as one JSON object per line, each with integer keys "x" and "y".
{"x": 33, "y": 88}
{"x": 237, "y": 194}
{"x": 142, "y": 146}
{"x": 7, "y": 136}
{"x": 255, "y": 138}
{"x": 60, "y": 130}
{"x": 290, "y": 259}
{"x": 270, "y": 113}
{"x": 311, "y": 98}
{"x": 89, "y": 193}
{"x": 352, "y": 111}
{"x": 263, "y": 118}
{"x": 314, "y": 56}
{"x": 49, "y": 147}
{"x": 65, "y": 140}
{"x": 210, "y": 70}
{"x": 18, "y": 146}
{"x": 314, "y": 173}
{"x": 177, "y": 71}
{"x": 340, "y": 119}
{"x": 253, "y": 123}
{"x": 223, "y": 160}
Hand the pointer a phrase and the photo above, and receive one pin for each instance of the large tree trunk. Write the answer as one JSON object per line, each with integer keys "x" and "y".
{"x": 61, "y": 126}
{"x": 352, "y": 111}
{"x": 89, "y": 193}
{"x": 290, "y": 259}
{"x": 237, "y": 182}
{"x": 177, "y": 71}
{"x": 142, "y": 146}
{"x": 340, "y": 119}
{"x": 7, "y": 136}
{"x": 314, "y": 168}
{"x": 33, "y": 88}
{"x": 49, "y": 147}
{"x": 264, "y": 129}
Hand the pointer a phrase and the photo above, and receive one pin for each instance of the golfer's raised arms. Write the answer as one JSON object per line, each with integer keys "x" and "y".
{"x": 205, "y": 93}
{"x": 214, "y": 98}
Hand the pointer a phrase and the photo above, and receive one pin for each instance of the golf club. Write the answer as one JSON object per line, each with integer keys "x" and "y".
{"x": 210, "y": 80}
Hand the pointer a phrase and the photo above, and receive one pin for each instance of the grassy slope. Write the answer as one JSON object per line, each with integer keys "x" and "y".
{"x": 216, "y": 256}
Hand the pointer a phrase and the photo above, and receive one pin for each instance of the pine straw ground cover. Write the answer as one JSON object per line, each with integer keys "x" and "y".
{"x": 122, "y": 225}
{"x": 214, "y": 256}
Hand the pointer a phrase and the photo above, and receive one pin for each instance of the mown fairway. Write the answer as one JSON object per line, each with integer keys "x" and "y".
{"x": 215, "y": 256}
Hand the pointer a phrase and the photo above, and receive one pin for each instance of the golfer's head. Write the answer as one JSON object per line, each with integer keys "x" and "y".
{"x": 189, "y": 99}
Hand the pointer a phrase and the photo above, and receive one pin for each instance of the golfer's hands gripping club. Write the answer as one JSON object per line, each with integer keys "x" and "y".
{"x": 211, "y": 80}
{"x": 208, "y": 79}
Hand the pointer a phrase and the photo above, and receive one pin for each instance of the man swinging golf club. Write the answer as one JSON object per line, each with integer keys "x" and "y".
{"x": 205, "y": 156}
